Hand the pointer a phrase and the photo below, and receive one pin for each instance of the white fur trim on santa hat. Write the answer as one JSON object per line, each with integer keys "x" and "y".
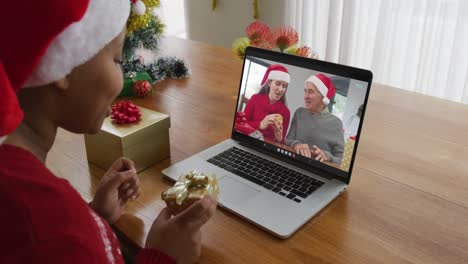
{"x": 2, "y": 139}
{"x": 81, "y": 41}
{"x": 321, "y": 87}
{"x": 279, "y": 75}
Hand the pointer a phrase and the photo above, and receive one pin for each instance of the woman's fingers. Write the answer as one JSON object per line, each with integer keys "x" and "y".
{"x": 131, "y": 192}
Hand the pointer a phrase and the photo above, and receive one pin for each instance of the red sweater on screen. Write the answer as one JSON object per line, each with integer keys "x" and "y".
{"x": 44, "y": 220}
{"x": 259, "y": 107}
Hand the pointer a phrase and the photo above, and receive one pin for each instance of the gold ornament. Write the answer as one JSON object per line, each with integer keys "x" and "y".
{"x": 255, "y": 8}
{"x": 151, "y": 3}
{"x": 136, "y": 22}
{"x": 213, "y": 4}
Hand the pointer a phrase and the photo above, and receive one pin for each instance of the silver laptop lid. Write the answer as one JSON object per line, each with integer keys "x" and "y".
{"x": 306, "y": 112}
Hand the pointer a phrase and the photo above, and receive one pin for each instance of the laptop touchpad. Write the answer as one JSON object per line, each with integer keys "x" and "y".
{"x": 233, "y": 191}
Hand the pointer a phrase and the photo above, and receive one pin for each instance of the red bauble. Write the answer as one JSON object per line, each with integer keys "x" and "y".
{"x": 125, "y": 112}
{"x": 142, "y": 88}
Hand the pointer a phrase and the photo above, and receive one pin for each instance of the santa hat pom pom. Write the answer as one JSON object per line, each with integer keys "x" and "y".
{"x": 138, "y": 7}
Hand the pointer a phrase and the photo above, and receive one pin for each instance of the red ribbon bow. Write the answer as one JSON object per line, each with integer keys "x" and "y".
{"x": 125, "y": 112}
{"x": 241, "y": 124}
{"x": 240, "y": 118}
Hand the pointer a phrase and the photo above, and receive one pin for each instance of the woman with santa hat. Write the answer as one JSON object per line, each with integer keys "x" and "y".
{"x": 315, "y": 132}
{"x": 60, "y": 67}
{"x": 266, "y": 111}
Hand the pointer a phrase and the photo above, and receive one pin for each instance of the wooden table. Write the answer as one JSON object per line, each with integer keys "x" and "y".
{"x": 408, "y": 198}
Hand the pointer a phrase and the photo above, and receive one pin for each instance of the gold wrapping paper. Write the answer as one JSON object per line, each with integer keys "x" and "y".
{"x": 347, "y": 154}
{"x": 190, "y": 188}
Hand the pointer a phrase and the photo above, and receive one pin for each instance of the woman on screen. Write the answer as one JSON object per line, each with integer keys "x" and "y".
{"x": 267, "y": 110}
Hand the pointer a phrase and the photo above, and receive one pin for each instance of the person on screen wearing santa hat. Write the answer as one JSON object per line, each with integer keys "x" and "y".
{"x": 60, "y": 68}
{"x": 315, "y": 132}
{"x": 267, "y": 110}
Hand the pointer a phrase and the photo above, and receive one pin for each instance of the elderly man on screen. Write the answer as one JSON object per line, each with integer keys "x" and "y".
{"x": 315, "y": 132}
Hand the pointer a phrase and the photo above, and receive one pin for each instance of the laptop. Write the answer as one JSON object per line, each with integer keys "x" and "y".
{"x": 266, "y": 180}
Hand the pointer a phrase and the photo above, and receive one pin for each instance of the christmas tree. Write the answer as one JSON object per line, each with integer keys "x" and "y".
{"x": 144, "y": 32}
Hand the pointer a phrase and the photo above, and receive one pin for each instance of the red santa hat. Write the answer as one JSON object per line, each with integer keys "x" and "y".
{"x": 276, "y": 72}
{"x": 324, "y": 85}
{"x": 45, "y": 40}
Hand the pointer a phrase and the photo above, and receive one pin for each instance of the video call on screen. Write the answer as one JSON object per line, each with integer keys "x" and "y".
{"x": 289, "y": 111}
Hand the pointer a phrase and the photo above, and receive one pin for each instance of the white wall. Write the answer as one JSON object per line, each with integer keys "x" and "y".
{"x": 229, "y": 20}
{"x": 172, "y": 14}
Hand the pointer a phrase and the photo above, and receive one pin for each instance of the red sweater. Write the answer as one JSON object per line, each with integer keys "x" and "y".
{"x": 258, "y": 107}
{"x": 44, "y": 220}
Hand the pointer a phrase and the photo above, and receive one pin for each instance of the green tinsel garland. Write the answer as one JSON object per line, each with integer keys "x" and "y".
{"x": 164, "y": 67}
{"x": 147, "y": 38}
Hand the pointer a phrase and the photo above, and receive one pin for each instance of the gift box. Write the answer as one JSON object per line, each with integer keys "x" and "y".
{"x": 145, "y": 141}
{"x": 129, "y": 82}
{"x": 190, "y": 188}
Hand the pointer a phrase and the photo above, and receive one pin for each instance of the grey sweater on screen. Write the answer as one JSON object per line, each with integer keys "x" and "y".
{"x": 324, "y": 130}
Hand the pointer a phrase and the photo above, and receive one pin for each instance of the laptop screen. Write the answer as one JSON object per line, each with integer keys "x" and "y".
{"x": 302, "y": 109}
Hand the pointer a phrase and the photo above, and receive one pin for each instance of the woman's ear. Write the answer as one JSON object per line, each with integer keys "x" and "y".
{"x": 63, "y": 83}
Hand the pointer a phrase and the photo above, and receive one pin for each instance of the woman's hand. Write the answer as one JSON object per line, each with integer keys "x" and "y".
{"x": 278, "y": 130}
{"x": 267, "y": 121}
{"x": 119, "y": 184}
{"x": 180, "y": 236}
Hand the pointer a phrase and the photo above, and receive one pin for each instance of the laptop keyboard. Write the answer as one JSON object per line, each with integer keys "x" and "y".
{"x": 279, "y": 179}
